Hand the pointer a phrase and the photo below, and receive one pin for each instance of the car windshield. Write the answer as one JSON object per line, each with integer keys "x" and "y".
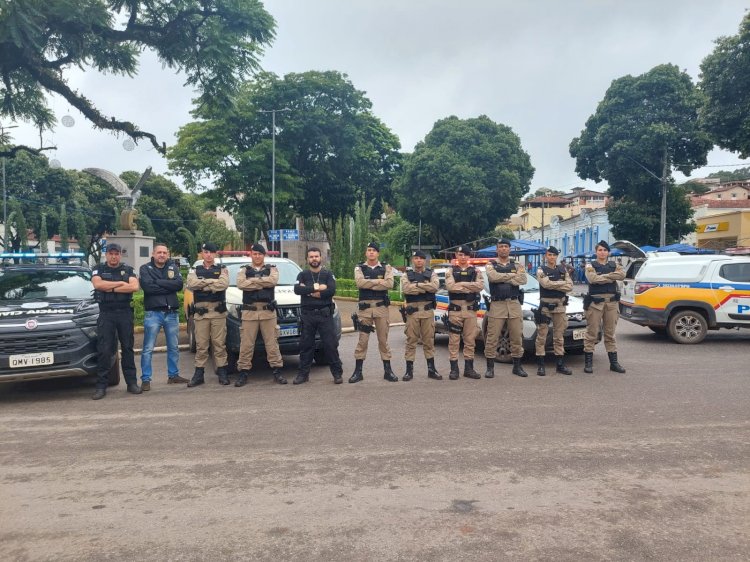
{"x": 36, "y": 284}
{"x": 288, "y": 272}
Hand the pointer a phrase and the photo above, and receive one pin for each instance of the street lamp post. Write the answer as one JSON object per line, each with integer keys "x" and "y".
{"x": 273, "y": 169}
{"x": 5, "y": 192}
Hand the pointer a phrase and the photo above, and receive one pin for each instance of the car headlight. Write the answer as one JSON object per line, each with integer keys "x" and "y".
{"x": 528, "y": 315}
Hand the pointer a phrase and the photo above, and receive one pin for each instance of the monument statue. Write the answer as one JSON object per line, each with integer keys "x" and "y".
{"x": 129, "y": 214}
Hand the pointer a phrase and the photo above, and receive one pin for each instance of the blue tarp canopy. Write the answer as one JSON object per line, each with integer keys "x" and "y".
{"x": 517, "y": 248}
{"x": 684, "y": 249}
{"x": 648, "y": 248}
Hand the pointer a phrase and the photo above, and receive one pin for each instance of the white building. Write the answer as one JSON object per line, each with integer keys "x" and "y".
{"x": 575, "y": 236}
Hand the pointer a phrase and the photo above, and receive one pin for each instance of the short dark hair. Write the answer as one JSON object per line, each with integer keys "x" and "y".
{"x": 314, "y": 249}
{"x": 157, "y": 244}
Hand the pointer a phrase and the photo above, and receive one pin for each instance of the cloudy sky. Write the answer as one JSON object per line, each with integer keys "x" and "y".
{"x": 538, "y": 66}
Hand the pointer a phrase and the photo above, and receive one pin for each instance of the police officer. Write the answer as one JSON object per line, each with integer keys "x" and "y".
{"x": 257, "y": 281}
{"x": 373, "y": 280}
{"x": 316, "y": 287}
{"x": 464, "y": 283}
{"x": 114, "y": 285}
{"x": 161, "y": 280}
{"x": 506, "y": 276}
{"x": 555, "y": 283}
{"x": 209, "y": 282}
{"x": 602, "y": 307}
{"x": 419, "y": 287}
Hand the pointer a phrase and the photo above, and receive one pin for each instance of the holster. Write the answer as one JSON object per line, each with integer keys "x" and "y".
{"x": 587, "y": 300}
{"x": 200, "y": 310}
{"x": 359, "y": 327}
{"x": 454, "y": 307}
{"x": 539, "y": 317}
{"x": 222, "y": 307}
{"x": 455, "y": 328}
{"x": 191, "y": 309}
{"x": 520, "y": 296}
{"x": 402, "y": 310}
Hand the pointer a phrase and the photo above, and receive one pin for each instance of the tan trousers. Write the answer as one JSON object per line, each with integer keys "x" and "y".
{"x": 467, "y": 319}
{"x": 377, "y": 316}
{"x": 420, "y": 325}
{"x": 604, "y": 315}
{"x": 211, "y": 330}
{"x": 500, "y": 313}
{"x": 265, "y": 322}
{"x": 559, "y": 320}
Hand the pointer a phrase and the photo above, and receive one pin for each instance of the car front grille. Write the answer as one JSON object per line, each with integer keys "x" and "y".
{"x": 287, "y": 314}
{"x": 12, "y": 344}
{"x": 576, "y": 319}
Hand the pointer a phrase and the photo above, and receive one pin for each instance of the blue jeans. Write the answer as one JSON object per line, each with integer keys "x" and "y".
{"x": 152, "y": 323}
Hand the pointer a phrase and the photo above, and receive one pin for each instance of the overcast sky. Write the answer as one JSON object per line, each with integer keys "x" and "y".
{"x": 538, "y": 66}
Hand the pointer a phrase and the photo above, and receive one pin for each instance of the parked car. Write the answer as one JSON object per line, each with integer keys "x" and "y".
{"x": 287, "y": 311}
{"x": 48, "y": 320}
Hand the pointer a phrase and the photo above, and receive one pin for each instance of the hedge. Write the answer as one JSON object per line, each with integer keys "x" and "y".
{"x": 139, "y": 313}
{"x": 348, "y": 288}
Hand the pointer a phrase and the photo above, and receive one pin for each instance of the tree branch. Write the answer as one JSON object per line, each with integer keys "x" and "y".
{"x": 11, "y": 152}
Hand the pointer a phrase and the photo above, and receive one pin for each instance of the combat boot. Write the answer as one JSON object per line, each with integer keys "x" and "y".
{"x": 490, "y": 372}
{"x": 540, "y": 366}
{"x": 242, "y": 378}
{"x": 562, "y": 367}
{"x": 613, "y": 364}
{"x": 133, "y": 388}
{"x": 453, "y": 375}
{"x": 99, "y": 393}
{"x": 197, "y": 377}
{"x": 337, "y": 378}
{"x": 301, "y": 379}
{"x": 518, "y": 368}
{"x": 357, "y": 374}
{"x": 388, "y": 373}
{"x": 221, "y": 372}
{"x": 432, "y": 371}
{"x": 588, "y": 361}
{"x": 277, "y": 376}
{"x": 409, "y": 371}
{"x": 469, "y": 371}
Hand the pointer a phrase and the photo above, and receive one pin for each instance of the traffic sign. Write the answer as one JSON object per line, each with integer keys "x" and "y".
{"x": 273, "y": 235}
{"x": 290, "y": 234}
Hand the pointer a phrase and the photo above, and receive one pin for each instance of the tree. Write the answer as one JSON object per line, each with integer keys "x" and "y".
{"x": 725, "y": 81}
{"x": 399, "y": 236}
{"x": 211, "y": 229}
{"x": 350, "y": 236}
{"x": 43, "y": 235}
{"x": 215, "y": 43}
{"x": 734, "y": 175}
{"x": 645, "y": 127}
{"x": 330, "y": 150}
{"x": 465, "y": 177}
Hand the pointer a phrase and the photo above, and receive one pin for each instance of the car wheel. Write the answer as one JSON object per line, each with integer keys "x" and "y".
{"x": 191, "y": 334}
{"x": 687, "y": 326}
{"x": 320, "y": 357}
{"x": 113, "y": 377}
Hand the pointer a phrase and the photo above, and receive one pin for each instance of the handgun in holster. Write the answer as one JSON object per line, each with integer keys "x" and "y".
{"x": 402, "y": 310}
{"x": 455, "y": 328}
{"x": 200, "y": 310}
{"x": 191, "y": 309}
{"x": 587, "y": 300}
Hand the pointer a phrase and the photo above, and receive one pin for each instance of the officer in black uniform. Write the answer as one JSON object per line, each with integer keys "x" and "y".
{"x": 114, "y": 285}
{"x": 317, "y": 287}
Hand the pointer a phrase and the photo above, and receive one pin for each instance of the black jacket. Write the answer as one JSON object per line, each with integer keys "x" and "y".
{"x": 324, "y": 277}
{"x": 160, "y": 286}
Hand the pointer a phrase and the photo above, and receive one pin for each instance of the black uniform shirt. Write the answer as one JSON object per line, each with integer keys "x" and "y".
{"x": 308, "y": 279}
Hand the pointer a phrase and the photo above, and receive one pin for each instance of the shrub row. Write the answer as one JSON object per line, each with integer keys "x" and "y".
{"x": 348, "y": 288}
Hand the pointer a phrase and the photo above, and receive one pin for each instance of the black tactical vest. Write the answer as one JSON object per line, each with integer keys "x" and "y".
{"x": 213, "y": 272}
{"x": 377, "y": 272}
{"x": 261, "y": 295}
{"x": 424, "y": 277}
{"x": 468, "y": 275}
{"x": 603, "y": 288}
{"x": 557, "y": 273}
{"x": 112, "y": 301}
{"x": 504, "y": 291}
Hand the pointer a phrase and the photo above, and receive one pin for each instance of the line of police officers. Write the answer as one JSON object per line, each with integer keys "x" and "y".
{"x": 115, "y": 282}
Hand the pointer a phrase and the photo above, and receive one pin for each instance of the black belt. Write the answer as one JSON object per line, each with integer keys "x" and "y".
{"x": 266, "y": 306}
{"x": 321, "y": 310}
{"x": 495, "y": 299}
{"x": 366, "y": 305}
{"x": 453, "y": 307}
{"x": 163, "y": 309}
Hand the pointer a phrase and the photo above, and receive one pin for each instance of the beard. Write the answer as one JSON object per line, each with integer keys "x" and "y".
{"x": 314, "y": 264}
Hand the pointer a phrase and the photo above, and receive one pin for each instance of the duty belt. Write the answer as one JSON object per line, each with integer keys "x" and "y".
{"x": 495, "y": 299}
{"x": 410, "y": 309}
{"x": 366, "y": 305}
{"x": 597, "y": 300}
{"x": 266, "y": 306}
{"x": 453, "y": 307}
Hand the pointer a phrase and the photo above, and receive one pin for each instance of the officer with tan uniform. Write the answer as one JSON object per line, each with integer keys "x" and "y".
{"x": 257, "y": 281}
{"x": 464, "y": 283}
{"x": 209, "y": 282}
{"x": 555, "y": 283}
{"x": 373, "y": 280}
{"x": 419, "y": 286}
{"x": 602, "y": 307}
{"x": 506, "y": 276}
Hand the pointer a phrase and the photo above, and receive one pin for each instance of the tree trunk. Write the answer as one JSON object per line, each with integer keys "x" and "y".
{"x": 664, "y": 187}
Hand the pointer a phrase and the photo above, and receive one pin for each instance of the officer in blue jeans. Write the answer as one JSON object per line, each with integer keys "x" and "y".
{"x": 160, "y": 281}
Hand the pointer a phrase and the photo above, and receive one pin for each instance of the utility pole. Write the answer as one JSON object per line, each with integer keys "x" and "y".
{"x": 273, "y": 169}
{"x": 5, "y": 192}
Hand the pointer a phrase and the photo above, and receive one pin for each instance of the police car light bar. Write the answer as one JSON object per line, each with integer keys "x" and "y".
{"x": 4, "y": 255}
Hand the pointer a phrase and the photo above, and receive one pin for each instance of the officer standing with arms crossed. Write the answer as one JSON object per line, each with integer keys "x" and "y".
{"x": 317, "y": 287}
{"x": 464, "y": 283}
{"x": 373, "y": 280}
{"x": 602, "y": 307}
{"x": 419, "y": 287}
{"x": 209, "y": 282}
{"x": 555, "y": 283}
{"x": 114, "y": 285}
{"x": 257, "y": 281}
{"x": 506, "y": 276}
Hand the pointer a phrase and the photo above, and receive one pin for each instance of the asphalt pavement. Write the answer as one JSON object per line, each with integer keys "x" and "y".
{"x": 650, "y": 465}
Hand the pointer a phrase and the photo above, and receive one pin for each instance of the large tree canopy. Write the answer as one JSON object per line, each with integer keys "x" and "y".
{"x": 725, "y": 79}
{"x": 463, "y": 178}
{"x": 215, "y": 43}
{"x": 330, "y": 149}
{"x": 645, "y": 127}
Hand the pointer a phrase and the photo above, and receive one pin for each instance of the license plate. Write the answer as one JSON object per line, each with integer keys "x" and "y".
{"x": 31, "y": 360}
{"x": 579, "y": 334}
{"x": 290, "y": 331}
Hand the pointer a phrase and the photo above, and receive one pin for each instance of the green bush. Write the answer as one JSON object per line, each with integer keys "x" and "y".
{"x": 348, "y": 288}
{"x": 139, "y": 312}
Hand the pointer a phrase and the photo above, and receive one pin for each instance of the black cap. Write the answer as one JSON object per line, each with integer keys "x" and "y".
{"x": 374, "y": 246}
{"x": 503, "y": 241}
{"x": 258, "y": 248}
{"x": 420, "y": 254}
{"x": 114, "y": 247}
{"x": 210, "y": 247}
{"x": 553, "y": 250}
{"x": 603, "y": 244}
{"x": 463, "y": 249}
